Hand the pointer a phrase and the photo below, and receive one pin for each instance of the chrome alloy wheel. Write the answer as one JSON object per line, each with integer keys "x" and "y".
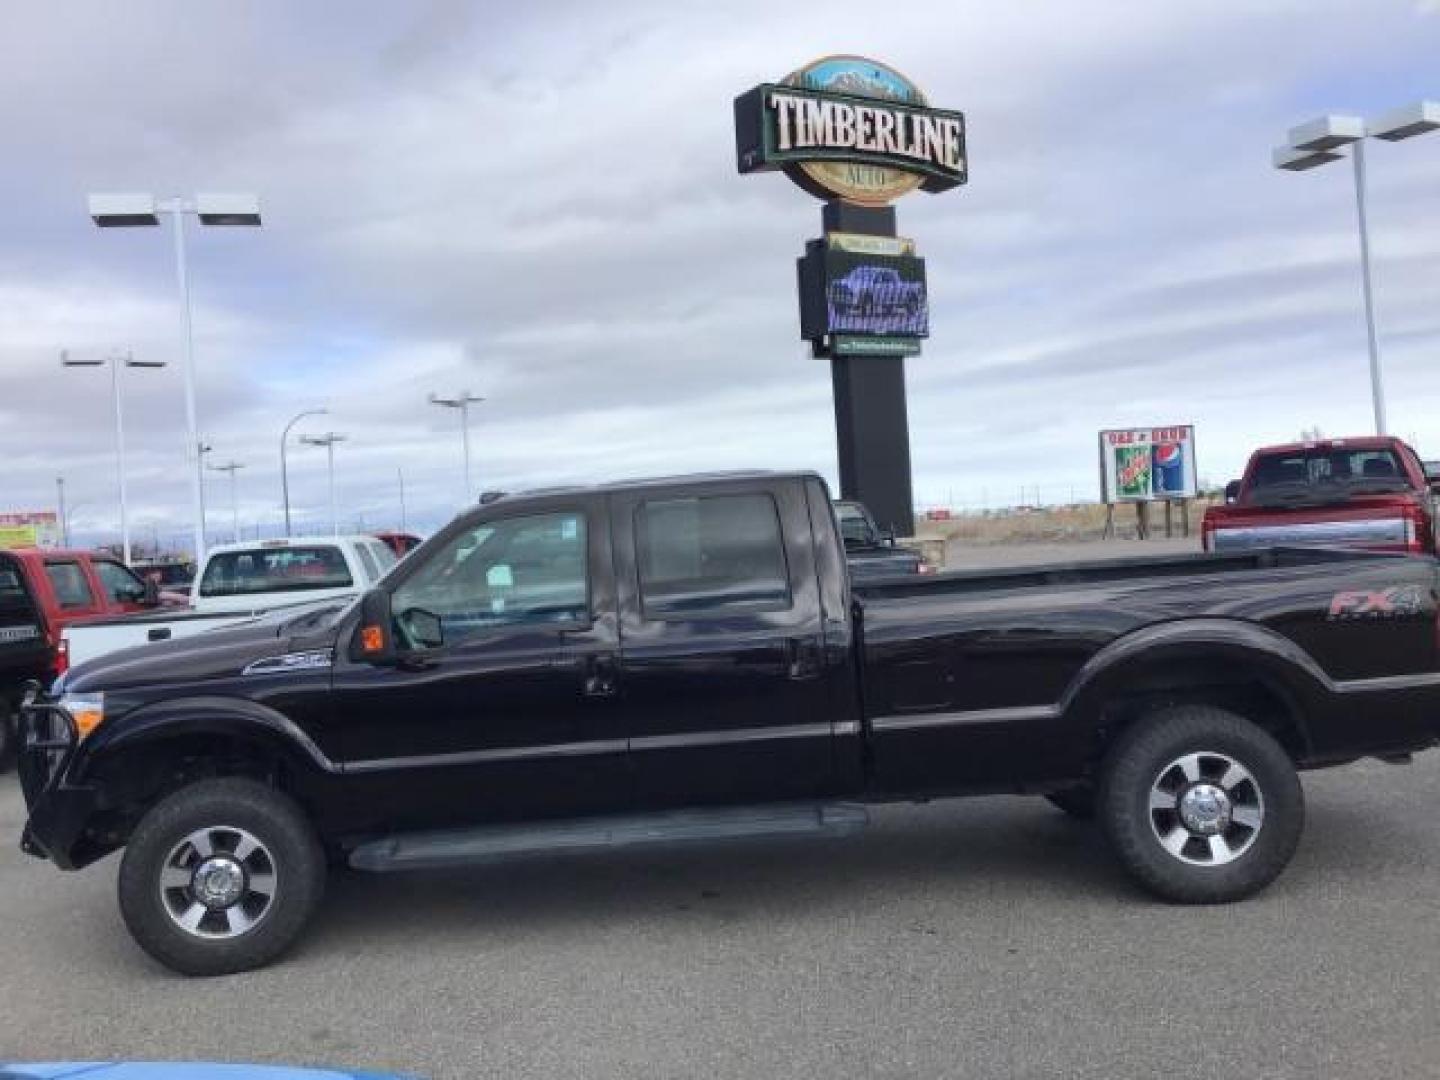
{"x": 218, "y": 882}
{"x": 1206, "y": 808}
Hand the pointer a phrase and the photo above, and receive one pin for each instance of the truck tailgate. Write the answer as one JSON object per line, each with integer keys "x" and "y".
{"x": 24, "y": 651}
{"x": 86, "y": 641}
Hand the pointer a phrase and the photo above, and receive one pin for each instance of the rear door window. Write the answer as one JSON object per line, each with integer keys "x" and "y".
{"x": 258, "y": 571}
{"x": 69, "y": 583}
{"x": 120, "y": 585}
{"x": 716, "y": 554}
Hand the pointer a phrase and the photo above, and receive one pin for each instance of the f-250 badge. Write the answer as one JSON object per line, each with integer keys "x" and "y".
{"x": 1395, "y": 602}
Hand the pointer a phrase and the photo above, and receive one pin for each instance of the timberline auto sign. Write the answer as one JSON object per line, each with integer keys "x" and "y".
{"x": 850, "y": 128}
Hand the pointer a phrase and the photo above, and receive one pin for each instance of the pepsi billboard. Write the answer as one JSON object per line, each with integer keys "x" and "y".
{"x": 1155, "y": 464}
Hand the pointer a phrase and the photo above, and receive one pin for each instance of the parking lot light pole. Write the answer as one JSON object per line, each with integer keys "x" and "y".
{"x": 284, "y": 469}
{"x": 232, "y": 467}
{"x": 461, "y": 401}
{"x": 400, "y": 475}
{"x": 131, "y": 210}
{"x": 60, "y": 500}
{"x": 328, "y": 440}
{"x": 1318, "y": 143}
{"x": 116, "y": 361}
{"x": 203, "y": 448}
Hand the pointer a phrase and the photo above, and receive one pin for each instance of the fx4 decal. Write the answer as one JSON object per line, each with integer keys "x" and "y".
{"x": 1395, "y": 602}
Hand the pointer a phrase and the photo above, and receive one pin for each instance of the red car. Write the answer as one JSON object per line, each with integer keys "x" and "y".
{"x": 1369, "y": 492}
{"x": 41, "y": 592}
{"x": 401, "y": 543}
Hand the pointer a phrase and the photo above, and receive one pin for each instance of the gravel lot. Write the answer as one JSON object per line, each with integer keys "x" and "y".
{"x": 989, "y": 937}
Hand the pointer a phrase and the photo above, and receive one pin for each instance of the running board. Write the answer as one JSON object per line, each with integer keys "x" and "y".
{"x": 495, "y": 843}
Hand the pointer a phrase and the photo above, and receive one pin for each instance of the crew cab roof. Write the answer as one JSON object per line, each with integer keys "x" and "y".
{"x": 676, "y": 480}
{"x": 280, "y": 542}
{"x": 30, "y": 554}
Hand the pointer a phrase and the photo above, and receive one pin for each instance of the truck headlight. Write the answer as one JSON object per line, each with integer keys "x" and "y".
{"x": 87, "y": 710}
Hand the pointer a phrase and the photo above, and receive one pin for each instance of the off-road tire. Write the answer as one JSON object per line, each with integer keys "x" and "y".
{"x": 1131, "y": 770}
{"x": 289, "y": 843}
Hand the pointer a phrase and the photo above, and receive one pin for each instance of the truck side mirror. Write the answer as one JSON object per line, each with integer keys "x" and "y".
{"x": 886, "y": 536}
{"x": 1232, "y": 491}
{"x": 150, "y": 595}
{"x": 374, "y": 641}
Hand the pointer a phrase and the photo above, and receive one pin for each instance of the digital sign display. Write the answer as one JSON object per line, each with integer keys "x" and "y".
{"x": 875, "y": 294}
{"x": 859, "y": 294}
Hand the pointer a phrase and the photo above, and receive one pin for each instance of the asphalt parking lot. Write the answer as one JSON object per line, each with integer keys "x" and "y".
{"x": 987, "y": 937}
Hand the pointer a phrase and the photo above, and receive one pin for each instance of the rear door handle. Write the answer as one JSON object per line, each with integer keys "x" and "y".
{"x": 601, "y": 675}
{"x": 800, "y": 658}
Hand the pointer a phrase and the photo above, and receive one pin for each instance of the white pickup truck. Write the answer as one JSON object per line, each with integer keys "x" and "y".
{"x": 242, "y": 581}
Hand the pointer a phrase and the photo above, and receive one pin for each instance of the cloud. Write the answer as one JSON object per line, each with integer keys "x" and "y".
{"x": 542, "y": 207}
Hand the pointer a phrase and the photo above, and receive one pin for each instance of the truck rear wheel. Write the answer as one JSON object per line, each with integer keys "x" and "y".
{"x": 1200, "y": 805}
{"x": 220, "y": 877}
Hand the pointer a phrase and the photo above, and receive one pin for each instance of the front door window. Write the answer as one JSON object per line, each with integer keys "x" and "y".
{"x": 512, "y": 572}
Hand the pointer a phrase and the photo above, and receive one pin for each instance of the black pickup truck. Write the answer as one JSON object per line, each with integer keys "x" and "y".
{"x": 870, "y": 551}
{"x": 683, "y": 659}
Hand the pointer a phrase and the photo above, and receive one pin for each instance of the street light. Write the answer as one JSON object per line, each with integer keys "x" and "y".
{"x": 116, "y": 361}
{"x": 1318, "y": 143}
{"x": 112, "y": 211}
{"x": 232, "y": 467}
{"x": 328, "y": 440}
{"x": 461, "y": 401}
{"x": 203, "y": 448}
{"x": 284, "y": 471}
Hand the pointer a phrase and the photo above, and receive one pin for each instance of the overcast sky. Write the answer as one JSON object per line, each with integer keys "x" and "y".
{"x": 538, "y": 203}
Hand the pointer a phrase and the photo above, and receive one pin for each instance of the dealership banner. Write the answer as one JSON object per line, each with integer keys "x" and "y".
{"x": 39, "y": 528}
{"x": 1152, "y": 464}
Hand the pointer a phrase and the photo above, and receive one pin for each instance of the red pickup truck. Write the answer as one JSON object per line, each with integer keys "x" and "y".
{"x": 41, "y": 592}
{"x": 1370, "y": 492}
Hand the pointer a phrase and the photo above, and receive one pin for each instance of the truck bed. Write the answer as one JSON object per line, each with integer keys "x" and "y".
{"x": 987, "y": 666}
{"x": 1126, "y": 568}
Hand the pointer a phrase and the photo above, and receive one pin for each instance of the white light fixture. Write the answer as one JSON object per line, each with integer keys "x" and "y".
{"x": 1327, "y": 132}
{"x": 228, "y": 209}
{"x": 1403, "y": 123}
{"x": 123, "y": 211}
{"x": 1292, "y": 160}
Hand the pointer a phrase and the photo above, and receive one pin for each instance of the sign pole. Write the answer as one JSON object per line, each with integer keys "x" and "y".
{"x": 872, "y": 426}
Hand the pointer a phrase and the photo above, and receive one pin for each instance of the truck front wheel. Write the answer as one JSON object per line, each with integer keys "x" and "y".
{"x": 220, "y": 877}
{"x": 1200, "y": 805}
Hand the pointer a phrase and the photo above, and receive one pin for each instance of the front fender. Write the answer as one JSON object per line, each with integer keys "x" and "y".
{"x": 220, "y": 717}
{"x": 1250, "y": 652}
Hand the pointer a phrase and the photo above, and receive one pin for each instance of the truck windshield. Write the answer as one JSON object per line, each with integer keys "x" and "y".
{"x": 271, "y": 570}
{"x": 1299, "y": 475}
